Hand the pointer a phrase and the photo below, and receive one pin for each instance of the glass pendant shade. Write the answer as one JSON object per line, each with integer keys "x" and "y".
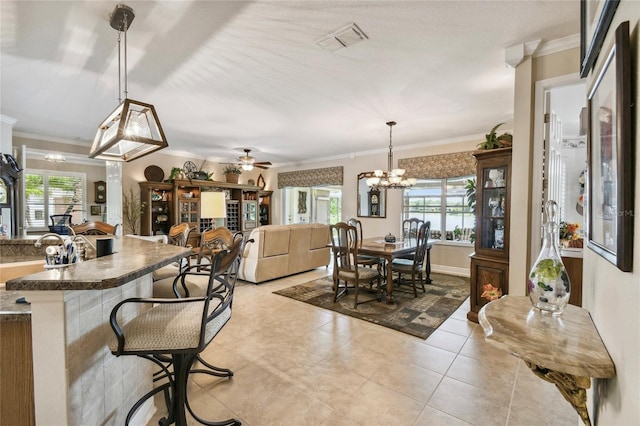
{"x": 247, "y": 167}
{"x": 131, "y": 131}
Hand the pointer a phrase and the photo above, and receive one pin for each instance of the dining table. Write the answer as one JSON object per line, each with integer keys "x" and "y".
{"x": 378, "y": 247}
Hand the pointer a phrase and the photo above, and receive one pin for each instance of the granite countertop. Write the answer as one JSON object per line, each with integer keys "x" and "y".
{"x": 132, "y": 258}
{"x": 12, "y": 311}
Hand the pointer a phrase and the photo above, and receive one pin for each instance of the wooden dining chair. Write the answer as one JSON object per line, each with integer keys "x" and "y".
{"x": 410, "y": 227}
{"x": 344, "y": 244}
{"x": 178, "y": 236}
{"x": 414, "y": 266}
{"x": 365, "y": 259}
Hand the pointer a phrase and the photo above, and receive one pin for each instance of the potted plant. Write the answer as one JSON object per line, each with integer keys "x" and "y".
{"x": 132, "y": 209}
{"x": 232, "y": 173}
{"x": 493, "y": 141}
{"x": 176, "y": 173}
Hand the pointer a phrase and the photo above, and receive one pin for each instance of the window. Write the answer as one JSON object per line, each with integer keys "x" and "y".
{"x": 53, "y": 193}
{"x": 443, "y": 202}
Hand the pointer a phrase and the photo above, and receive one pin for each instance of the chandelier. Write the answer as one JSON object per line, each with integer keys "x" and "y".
{"x": 133, "y": 129}
{"x": 392, "y": 178}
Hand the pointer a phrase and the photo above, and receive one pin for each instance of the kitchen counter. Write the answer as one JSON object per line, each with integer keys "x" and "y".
{"x": 132, "y": 259}
{"x": 76, "y": 379}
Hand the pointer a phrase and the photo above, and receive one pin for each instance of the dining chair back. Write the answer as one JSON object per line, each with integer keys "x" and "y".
{"x": 95, "y": 228}
{"x": 414, "y": 266}
{"x": 345, "y": 244}
{"x": 365, "y": 259}
{"x": 410, "y": 227}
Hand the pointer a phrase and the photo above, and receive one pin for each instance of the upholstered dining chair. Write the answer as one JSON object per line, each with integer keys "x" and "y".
{"x": 178, "y": 236}
{"x": 344, "y": 244}
{"x": 415, "y": 265}
{"x": 179, "y": 329}
{"x": 95, "y": 228}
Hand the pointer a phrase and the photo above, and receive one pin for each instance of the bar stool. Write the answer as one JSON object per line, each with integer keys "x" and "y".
{"x": 178, "y": 329}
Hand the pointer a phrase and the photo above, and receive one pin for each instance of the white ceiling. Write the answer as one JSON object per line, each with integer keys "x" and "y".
{"x": 228, "y": 75}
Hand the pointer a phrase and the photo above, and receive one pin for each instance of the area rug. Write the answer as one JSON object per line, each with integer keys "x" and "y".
{"x": 416, "y": 316}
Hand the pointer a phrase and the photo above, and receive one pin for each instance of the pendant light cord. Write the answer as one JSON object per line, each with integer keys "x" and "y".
{"x": 124, "y": 29}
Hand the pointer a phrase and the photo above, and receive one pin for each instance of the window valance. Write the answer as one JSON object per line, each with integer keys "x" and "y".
{"x": 439, "y": 166}
{"x": 311, "y": 177}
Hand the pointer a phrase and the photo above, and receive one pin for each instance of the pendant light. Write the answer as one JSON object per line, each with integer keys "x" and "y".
{"x": 133, "y": 129}
{"x": 392, "y": 178}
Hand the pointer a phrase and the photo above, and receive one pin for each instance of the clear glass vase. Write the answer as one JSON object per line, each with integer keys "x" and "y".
{"x": 549, "y": 285}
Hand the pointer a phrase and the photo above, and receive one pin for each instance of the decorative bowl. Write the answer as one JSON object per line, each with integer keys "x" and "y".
{"x": 187, "y": 195}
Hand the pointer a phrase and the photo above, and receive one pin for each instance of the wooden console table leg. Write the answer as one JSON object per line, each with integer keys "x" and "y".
{"x": 573, "y": 388}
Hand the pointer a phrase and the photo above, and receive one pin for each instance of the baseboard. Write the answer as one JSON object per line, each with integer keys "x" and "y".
{"x": 451, "y": 270}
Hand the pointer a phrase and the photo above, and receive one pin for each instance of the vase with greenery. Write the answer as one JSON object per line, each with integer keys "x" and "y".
{"x": 232, "y": 173}
{"x": 132, "y": 209}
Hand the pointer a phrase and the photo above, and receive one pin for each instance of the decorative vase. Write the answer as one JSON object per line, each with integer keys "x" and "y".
{"x": 231, "y": 177}
{"x": 549, "y": 285}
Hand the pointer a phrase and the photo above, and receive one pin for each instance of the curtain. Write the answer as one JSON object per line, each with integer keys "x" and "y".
{"x": 439, "y": 166}
{"x": 311, "y": 177}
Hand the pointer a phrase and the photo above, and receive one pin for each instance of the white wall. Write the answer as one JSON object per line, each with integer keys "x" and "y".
{"x": 612, "y": 296}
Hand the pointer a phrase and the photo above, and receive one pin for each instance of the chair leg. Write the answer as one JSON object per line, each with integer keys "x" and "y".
{"x": 413, "y": 283}
{"x": 213, "y": 370}
{"x": 355, "y": 300}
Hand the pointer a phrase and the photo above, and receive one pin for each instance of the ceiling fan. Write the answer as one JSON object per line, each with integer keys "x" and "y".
{"x": 247, "y": 162}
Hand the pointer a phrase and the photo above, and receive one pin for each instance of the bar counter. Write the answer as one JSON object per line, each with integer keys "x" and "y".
{"x": 77, "y": 381}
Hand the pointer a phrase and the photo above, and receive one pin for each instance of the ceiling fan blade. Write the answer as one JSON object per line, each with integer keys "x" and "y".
{"x": 264, "y": 163}
{"x": 261, "y": 166}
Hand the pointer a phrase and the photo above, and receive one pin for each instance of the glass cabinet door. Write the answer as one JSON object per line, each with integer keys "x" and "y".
{"x": 493, "y": 208}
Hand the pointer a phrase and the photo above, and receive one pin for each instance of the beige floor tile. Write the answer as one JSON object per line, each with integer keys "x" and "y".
{"x": 297, "y": 364}
{"x": 446, "y": 340}
{"x": 432, "y": 417}
{"x": 485, "y": 373}
{"x": 408, "y": 379}
{"x": 469, "y": 403}
{"x": 533, "y": 398}
{"x": 262, "y": 398}
{"x": 458, "y": 326}
{"x": 374, "y": 404}
{"x": 427, "y": 356}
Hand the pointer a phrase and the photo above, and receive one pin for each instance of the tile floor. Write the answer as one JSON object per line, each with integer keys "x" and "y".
{"x": 296, "y": 364}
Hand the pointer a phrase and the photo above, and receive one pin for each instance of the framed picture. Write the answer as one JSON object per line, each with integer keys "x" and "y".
{"x": 96, "y": 211}
{"x": 595, "y": 20}
{"x": 610, "y": 156}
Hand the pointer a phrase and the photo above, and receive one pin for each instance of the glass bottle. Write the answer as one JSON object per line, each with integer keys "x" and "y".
{"x": 548, "y": 283}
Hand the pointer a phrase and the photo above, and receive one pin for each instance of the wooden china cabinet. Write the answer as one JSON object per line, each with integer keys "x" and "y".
{"x": 490, "y": 261}
{"x": 156, "y": 215}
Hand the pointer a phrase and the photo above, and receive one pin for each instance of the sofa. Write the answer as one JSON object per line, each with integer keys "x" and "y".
{"x": 280, "y": 250}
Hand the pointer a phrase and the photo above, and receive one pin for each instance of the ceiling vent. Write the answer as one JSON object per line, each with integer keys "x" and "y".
{"x": 344, "y": 37}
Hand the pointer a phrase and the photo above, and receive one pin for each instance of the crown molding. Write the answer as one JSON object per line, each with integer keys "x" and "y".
{"x": 558, "y": 45}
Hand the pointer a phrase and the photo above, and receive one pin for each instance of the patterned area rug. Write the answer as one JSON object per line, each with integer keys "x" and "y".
{"x": 416, "y": 316}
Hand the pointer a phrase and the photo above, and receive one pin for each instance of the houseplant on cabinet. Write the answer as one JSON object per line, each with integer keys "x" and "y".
{"x": 232, "y": 173}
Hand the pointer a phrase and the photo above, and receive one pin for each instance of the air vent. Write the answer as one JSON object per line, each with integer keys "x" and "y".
{"x": 344, "y": 37}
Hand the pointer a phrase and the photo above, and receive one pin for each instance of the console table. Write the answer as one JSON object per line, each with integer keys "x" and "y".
{"x": 565, "y": 350}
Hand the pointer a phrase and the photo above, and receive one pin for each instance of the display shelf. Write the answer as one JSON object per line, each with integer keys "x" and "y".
{"x": 490, "y": 261}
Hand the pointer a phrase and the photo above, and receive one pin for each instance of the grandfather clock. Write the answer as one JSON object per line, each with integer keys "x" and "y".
{"x": 374, "y": 202}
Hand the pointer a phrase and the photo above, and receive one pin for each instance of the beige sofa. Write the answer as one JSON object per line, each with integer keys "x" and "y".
{"x": 281, "y": 250}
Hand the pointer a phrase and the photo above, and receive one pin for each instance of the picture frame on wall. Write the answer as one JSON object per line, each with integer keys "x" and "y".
{"x": 595, "y": 20}
{"x": 96, "y": 210}
{"x": 610, "y": 156}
